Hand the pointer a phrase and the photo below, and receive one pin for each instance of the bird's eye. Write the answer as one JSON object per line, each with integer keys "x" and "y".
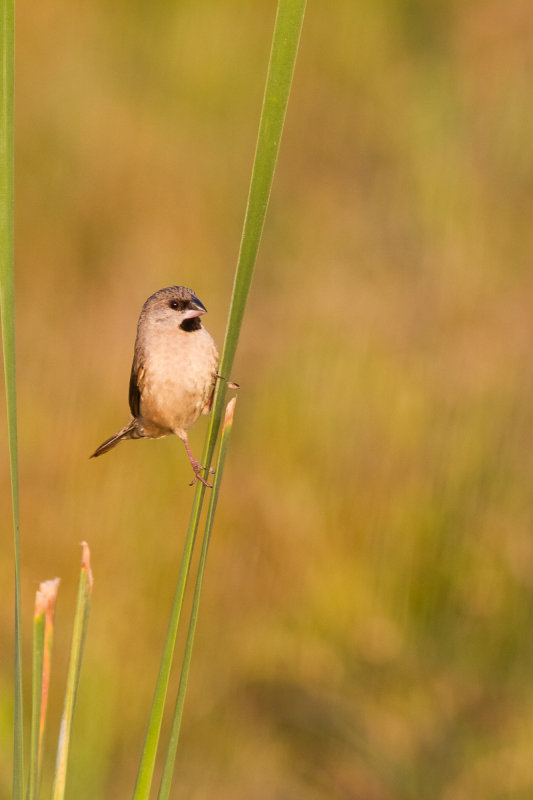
{"x": 175, "y": 304}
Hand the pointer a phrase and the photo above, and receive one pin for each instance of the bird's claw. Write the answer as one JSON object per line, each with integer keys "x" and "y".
{"x": 230, "y": 384}
{"x": 198, "y": 477}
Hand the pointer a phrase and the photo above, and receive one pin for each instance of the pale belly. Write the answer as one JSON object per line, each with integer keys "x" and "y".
{"x": 178, "y": 382}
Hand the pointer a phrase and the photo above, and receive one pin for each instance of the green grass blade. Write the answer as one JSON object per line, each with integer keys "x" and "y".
{"x": 7, "y": 298}
{"x": 147, "y": 764}
{"x": 286, "y": 38}
{"x": 51, "y": 588}
{"x": 78, "y": 639}
{"x": 42, "y": 646}
{"x": 168, "y": 770}
{"x": 285, "y": 42}
{"x": 39, "y": 623}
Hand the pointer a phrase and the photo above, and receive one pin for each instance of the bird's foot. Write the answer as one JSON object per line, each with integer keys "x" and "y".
{"x": 198, "y": 469}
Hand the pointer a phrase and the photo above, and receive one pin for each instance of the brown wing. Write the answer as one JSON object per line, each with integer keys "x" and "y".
{"x": 136, "y": 384}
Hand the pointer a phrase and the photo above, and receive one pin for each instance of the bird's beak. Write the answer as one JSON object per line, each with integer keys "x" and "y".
{"x": 196, "y": 307}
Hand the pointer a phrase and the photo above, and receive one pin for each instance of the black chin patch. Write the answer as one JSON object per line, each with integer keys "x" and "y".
{"x": 191, "y": 325}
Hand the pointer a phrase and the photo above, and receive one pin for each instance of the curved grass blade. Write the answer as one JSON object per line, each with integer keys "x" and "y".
{"x": 287, "y": 30}
{"x": 76, "y": 652}
{"x": 168, "y": 770}
{"x": 7, "y": 302}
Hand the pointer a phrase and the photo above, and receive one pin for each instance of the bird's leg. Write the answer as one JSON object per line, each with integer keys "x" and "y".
{"x": 197, "y": 467}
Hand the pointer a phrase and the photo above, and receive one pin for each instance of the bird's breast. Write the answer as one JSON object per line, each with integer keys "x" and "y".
{"x": 180, "y": 369}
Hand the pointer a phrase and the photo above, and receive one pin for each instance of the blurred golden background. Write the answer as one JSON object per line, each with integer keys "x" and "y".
{"x": 366, "y": 624}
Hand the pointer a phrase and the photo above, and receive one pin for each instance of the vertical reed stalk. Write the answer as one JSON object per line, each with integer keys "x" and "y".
{"x": 168, "y": 770}
{"x": 147, "y": 764}
{"x": 43, "y": 628}
{"x": 7, "y": 300}
{"x": 79, "y": 632}
{"x": 285, "y": 42}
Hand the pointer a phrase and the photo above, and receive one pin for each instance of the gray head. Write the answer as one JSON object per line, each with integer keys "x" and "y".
{"x": 174, "y": 307}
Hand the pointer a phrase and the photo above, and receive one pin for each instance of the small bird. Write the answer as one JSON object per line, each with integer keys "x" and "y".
{"x": 173, "y": 374}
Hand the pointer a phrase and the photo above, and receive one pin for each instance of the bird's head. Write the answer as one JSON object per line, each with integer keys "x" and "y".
{"x": 175, "y": 307}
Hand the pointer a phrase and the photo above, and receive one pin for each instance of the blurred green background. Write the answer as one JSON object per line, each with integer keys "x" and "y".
{"x": 366, "y": 623}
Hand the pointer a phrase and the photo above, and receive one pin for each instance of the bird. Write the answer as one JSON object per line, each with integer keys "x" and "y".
{"x": 173, "y": 374}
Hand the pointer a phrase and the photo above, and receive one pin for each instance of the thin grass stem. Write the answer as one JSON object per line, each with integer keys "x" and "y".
{"x": 7, "y": 310}
{"x": 168, "y": 770}
{"x": 81, "y": 619}
{"x": 146, "y": 767}
{"x": 39, "y": 624}
{"x": 43, "y": 622}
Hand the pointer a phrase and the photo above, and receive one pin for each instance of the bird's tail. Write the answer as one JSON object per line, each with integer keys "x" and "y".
{"x": 129, "y": 431}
